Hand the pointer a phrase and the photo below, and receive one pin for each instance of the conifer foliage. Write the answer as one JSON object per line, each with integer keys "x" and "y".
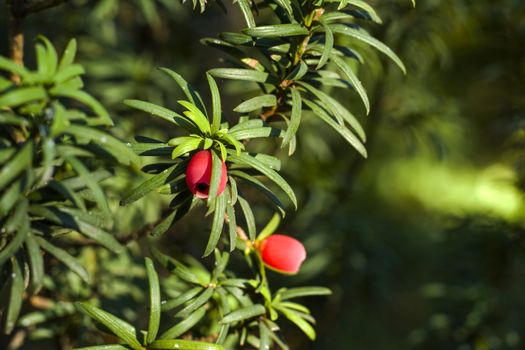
{"x": 57, "y": 150}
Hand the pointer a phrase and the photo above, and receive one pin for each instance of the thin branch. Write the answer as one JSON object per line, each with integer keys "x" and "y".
{"x": 23, "y": 8}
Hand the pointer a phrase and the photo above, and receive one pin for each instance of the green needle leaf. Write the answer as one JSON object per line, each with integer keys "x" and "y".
{"x": 181, "y": 299}
{"x": 299, "y": 322}
{"x": 196, "y": 303}
{"x": 15, "y": 296}
{"x": 186, "y": 324}
{"x": 91, "y": 183}
{"x": 351, "y": 138}
{"x": 36, "y": 262}
{"x": 69, "y": 54}
{"x": 178, "y": 344}
{"x": 174, "y": 266}
{"x": 21, "y": 161}
{"x": 246, "y": 159}
{"x": 247, "y": 12}
{"x": 270, "y": 227}
{"x": 19, "y": 221}
{"x": 216, "y": 103}
{"x": 191, "y": 94}
{"x": 216, "y": 172}
{"x": 295, "y": 118}
{"x": 64, "y": 257}
{"x": 196, "y": 115}
{"x": 239, "y": 74}
{"x": 217, "y": 224}
{"x": 86, "y": 99}
{"x": 366, "y": 38}
{"x": 244, "y": 313}
{"x": 104, "y": 347}
{"x": 256, "y": 103}
{"x": 22, "y": 95}
{"x": 328, "y": 46}
{"x": 120, "y": 328}
{"x": 277, "y": 30}
{"x": 154, "y": 182}
{"x": 354, "y": 80}
{"x": 304, "y": 292}
{"x": 191, "y": 144}
{"x": 163, "y": 113}
{"x": 154, "y": 297}
{"x": 248, "y": 216}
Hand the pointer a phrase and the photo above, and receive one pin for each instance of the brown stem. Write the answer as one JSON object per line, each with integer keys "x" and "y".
{"x": 16, "y": 36}
{"x": 16, "y": 12}
{"x": 18, "y": 340}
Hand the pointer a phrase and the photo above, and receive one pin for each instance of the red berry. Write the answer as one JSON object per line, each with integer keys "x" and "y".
{"x": 282, "y": 253}
{"x": 198, "y": 174}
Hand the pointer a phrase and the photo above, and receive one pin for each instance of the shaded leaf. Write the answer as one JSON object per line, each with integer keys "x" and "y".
{"x": 216, "y": 103}
{"x": 295, "y": 118}
{"x": 248, "y": 216}
{"x": 65, "y": 258}
{"x": 256, "y": 103}
{"x": 154, "y": 182}
{"x": 303, "y": 292}
{"x": 217, "y": 225}
{"x": 163, "y": 113}
{"x": 239, "y": 74}
{"x": 120, "y": 328}
{"x": 244, "y": 313}
{"x": 181, "y": 299}
{"x": 184, "y": 325}
{"x": 36, "y": 262}
{"x": 277, "y": 30}
{"x": 191, "y": 94}
{"x": 15, "y": 296}
{"x": 154, "y": 304}
{"x": 250, "y": 161}
{"x": 351, "y": 138}
{"x": 184, "y": 345}
{"x": 354, "y": 80}
{"x": 21, "y": 161}
{"x": 366, "y": 38}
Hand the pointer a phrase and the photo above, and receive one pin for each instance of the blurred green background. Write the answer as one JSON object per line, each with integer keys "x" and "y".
{"x": 422, "y": 243}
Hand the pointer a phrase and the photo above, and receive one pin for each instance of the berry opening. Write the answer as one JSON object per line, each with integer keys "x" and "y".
{"x": 202, "y": 187}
